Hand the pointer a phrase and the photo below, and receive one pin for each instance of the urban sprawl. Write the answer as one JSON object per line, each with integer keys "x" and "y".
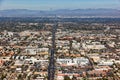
{"x": 85, "y": 49}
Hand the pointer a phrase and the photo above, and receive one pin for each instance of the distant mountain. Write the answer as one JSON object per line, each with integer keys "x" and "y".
{"x": 61, "y": 13}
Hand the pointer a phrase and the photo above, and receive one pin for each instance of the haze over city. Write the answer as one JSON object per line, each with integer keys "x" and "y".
{"x": 58, "y": 4}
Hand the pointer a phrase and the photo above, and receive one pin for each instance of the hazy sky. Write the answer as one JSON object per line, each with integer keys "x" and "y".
{"x": 58, "y": 4}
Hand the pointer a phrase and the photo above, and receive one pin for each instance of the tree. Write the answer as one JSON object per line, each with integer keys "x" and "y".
{"x": 104, "y": 78}
{"x": 84, "y": 78}
{"x": 67, "y": 78}
{"x": 19, "y": 77}
{"x": 74, "y": 78}
{"x": 3, "y": 76}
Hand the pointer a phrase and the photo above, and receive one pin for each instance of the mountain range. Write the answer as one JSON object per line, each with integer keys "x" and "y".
{"x": 60, "y": 13}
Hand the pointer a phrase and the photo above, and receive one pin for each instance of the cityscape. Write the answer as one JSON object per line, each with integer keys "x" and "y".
{"x": 80, "y": 52}
{"x": 59, "y": 44}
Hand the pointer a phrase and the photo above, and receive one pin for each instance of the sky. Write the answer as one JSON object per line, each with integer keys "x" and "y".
{"x": 58, "y": 4}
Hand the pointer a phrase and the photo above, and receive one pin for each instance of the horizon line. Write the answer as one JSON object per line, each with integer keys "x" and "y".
{"x": 58, "y": 9}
